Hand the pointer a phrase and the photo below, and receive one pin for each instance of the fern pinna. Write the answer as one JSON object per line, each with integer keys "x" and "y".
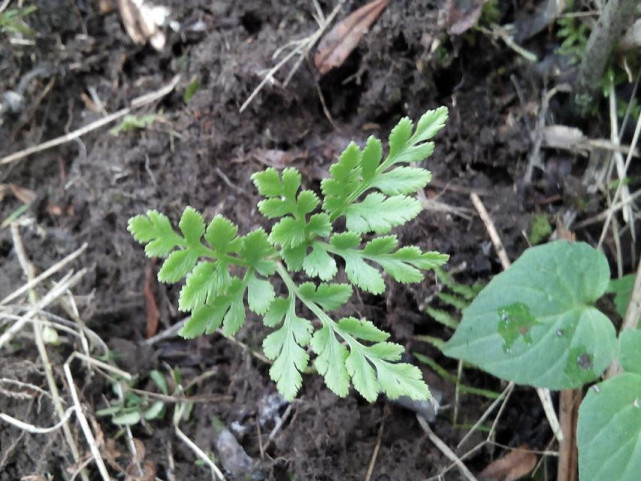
{"x": 373, "y": 194}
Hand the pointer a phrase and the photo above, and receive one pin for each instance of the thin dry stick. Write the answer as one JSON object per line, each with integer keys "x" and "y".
{"x": 46, "y": 274}
{"x": 136, "y": 103}
{"x": 609, "y": 212}
{"x": 42, "y": 350}
{"x": 67, "y": 282}
{"x": 617, "y": 193}
{"x": 491, "y": 230}
{"x": 444, "y": 448}
{"x": 30, "y": 428}
{"x": 372, "y": 462}
{"x": 544, "y": 394}
{"x": 278, "y": 426}
{"x": 82, "y": 420}
{"x": 193, "y": 446}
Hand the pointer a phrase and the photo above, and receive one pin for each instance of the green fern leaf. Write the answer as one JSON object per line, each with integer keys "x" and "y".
{"x": 330, "y": 360}
{"x": 260, "y": 294}
{"x": 221, "y": 235}
{"x": 154, "y": 230}
{"x": 402, "y": 180}
{"x": 258, "y": 252}
{"x": 320, "y": 264}
{"x": 329, "y": 296}
{"x": 192, "y": 226}
{"x": 379, "y": 214}
{"x": 177, "y": 265}
{"x": 284, "y": 347}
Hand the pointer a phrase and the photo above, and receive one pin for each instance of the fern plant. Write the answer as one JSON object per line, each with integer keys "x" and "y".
{"x": 368, "y": 194}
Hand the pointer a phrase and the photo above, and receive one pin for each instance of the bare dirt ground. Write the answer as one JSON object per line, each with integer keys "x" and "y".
{"x": 202, "y": 153}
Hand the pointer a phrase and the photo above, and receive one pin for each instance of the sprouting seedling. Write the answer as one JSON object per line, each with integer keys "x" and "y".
{"x": 226, "y": 272}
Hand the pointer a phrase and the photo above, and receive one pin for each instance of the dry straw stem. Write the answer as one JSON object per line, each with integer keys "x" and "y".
{"x": 544, "y": 394}
{"x": 193, "y": 446}
{"x": 618, "y": 192}
{"x": 136, "y": 103}
{"x": 444, "y": 448}
{"x": 42, "y": 350}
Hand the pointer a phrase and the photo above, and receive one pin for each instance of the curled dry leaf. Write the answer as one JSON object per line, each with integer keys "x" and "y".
{"x": 24, "y": 195}
{"x": 340, "y": 41}
{"x": 514, "y": 465}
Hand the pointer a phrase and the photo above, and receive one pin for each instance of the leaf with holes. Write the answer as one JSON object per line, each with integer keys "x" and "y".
{"x": 536, "y": 323}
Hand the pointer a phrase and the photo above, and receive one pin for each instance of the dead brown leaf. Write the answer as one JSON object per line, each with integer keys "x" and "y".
{"x": 458, "y": 16}
{"x": 514, "y": 465}
{"x": 340, "y": 41}
{"x": 153, "y": 314}
{"x": 148, "y": 472}
{"x": 24, "y": 195}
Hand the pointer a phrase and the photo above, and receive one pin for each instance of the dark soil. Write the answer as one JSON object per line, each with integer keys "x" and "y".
{"x": 203, "y": 154}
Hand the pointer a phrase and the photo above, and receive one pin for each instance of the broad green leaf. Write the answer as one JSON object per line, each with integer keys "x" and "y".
{"x": 378, "y": 213}
{"x": 630, "y": 350}
{"x": 329, "y": 296}
{"x": 235, "y": 316}
{"x": 256, "y": 251}
{"x": 362, "y": 374}
{"x": 362, "y": 329}
{"x": 402, "y": 180}
{"x": 154, "y": 230}
{"x": 319, "y": 263}
{"x": 177, "y": 265}
{"x": 192, "y": 226}
{"x": 609, "y": 430}
{"x": 361, "y": 274}
{"x": 260, "y": 294}
{"x": 330, "y": 360}
{"x": 622, "y": 289}
{"x": 221, "y": 235}
{"x": 536, "y": 324}
{"x": 288, "y": 232}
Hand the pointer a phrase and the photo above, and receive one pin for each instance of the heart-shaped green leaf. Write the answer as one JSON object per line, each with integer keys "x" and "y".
{"x": 609, "y": 430}
{"x": 535, "y": 324}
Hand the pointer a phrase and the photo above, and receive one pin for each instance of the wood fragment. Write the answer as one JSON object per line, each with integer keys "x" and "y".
{"x": 153, "y": 314}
